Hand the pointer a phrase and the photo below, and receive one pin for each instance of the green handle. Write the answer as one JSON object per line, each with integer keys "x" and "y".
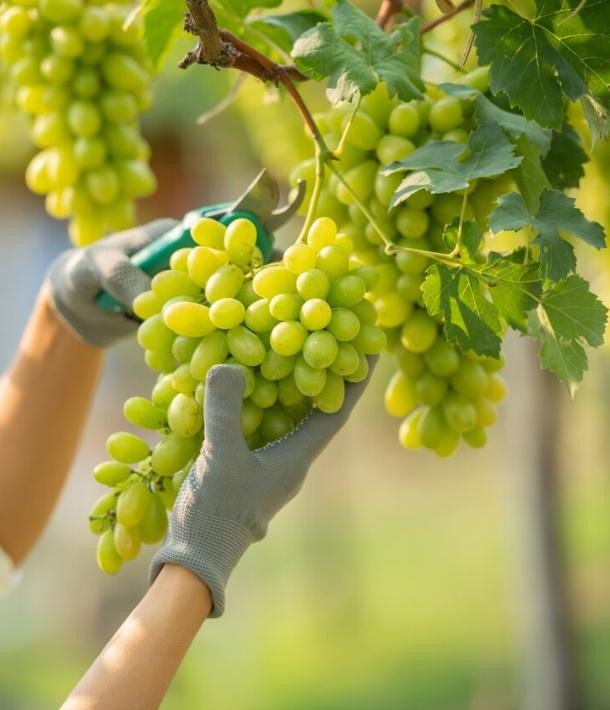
{"x": 156, "y": 256}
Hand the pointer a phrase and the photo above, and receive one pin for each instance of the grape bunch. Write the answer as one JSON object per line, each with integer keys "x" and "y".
{"x": 443, "y": 394}
{"x": 82, "y": 75}
{"x": 298, "y": 330}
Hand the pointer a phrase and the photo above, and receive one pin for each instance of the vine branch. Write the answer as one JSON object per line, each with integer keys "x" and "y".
{"x": 427, "y": 26}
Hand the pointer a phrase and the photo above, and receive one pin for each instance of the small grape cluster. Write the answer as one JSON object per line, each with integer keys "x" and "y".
{"x": 446, "y": 394}
{"x": 82, "y": 74}
{"x": 298, "y": 330}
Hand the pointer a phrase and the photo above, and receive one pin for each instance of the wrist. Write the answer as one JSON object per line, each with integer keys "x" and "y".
{"x": 183, "y": 582}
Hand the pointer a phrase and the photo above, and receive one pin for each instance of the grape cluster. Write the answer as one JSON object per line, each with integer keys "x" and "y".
{"x": 443, "y": 393}
{"x": 298, "y": 330}
{"x": 82, "y": 75}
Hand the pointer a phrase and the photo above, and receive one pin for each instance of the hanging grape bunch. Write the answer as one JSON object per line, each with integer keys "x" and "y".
{"x": 298, "y": 330}
{"x": 82, "y": 75}
{"x": 441, "y": 393}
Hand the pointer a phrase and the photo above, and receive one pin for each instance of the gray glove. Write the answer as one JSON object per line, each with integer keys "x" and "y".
{"x": 232, "y": 493}
{"x": 78, "y": 275}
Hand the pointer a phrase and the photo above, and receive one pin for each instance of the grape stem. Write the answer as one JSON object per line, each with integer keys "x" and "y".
{"x": 341, "y": 145}
{"x": 443, "y": 58}
{"x": 321, "y": 159}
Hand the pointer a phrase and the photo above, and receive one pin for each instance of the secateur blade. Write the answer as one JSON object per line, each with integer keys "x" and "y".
{"x": 262, "y": 197}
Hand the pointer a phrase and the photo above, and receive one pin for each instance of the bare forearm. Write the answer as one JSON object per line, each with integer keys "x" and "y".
{"x": 135, "y": 669}
{"x": 45, "y": 398}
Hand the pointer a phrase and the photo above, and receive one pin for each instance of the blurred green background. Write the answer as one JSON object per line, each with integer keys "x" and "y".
{"x": 395, "y": 580}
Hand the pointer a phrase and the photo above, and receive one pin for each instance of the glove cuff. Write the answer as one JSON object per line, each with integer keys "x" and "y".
{"x": 220, "y": 544}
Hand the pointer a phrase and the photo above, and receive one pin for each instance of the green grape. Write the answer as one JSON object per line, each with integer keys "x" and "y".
{"x": 212, "y": 350}
{"x": 271, "y": 282}
{"x": 333, "y": 261}
{"x": 445, "y": 114}
{"x": 153, "y": 334}
{"x": 245, "y": 346}
{"x": 103, "y": 185}
{"x": 276, "y": 367}
{"x": 347, "y": 360}
{"x": 178, "y": 261}
{"x": 370, "y": 340}
{"x": 127, "y": 448}
{"x": 275, "y": 423}
{"x": 393, "y": 148}
{"x": 299, "y": 258}
{"x": 310, "y": 381}
{"x": 410, "y": 363}
{"x": 412, "y": 223}
{"x": 320, "y": 349}
{"x": 289, "y": 395}
{"x": 202, "y": 262}
{"x": 331, "y": 397}
{"x": 209, "y": 232}
{"x": 392, "y": 310}
{"x": 288, "y": 338}
{"x": 312, "y": 283}
{"x": 496, "y": 388}
{"x": 361, "y": 373}
{"x": 370, "y": 276}
{"x": 67, "y": 41}
{"x": 173, "y": 453}
{"x": 108, "y": 559}
{"x": 419, "y": 332}
{"x": 94, "y": 24}
{"x": 101, "y": 513}
{"x": 89, "y": 153}
{"x": 127, "y": 541}
{"x": 442, "y": 358}
{"x": 124, "y": 72}
{"x": 386, "y": 186}
{"x": 184, "y": 416}
{"x": 361, "y": 180}
{"x": 285, "y": 306}
{"x": 404, "y": 120}
{"x": 346, "y": 291}
{"x": 447, "y": 443}
{"x": 322, "y": 233}
{"x": 225, "y": 282}
{"x": 227, "y": 313}
{"x": 265, "y": 393}
{"x": 142, "y": 412}
{"x": 153, "y": 525}
{"x": 344, "y": 327}
{"x": 160, "y": 360}
{"x": 174, "y": 284}
{"x": 163, "y": 392}
{"x": 315, "y": 314}
{"x": 460, "y": 413}
{"x": 430, "y": 389}
{"x": 258, "y": 316}
{"x": 136, "y": 178}
{"x": 240, "y": 239}
{"x": 477, "y": 437}
{"x": 409, "y": 434}
{"x": 183, "y": 348}
{"x": 251, "y": 417}
{"x": 132, "y": 504}
{"x": 470, "y": 379}
{"x": 363, "y": 132}
{"x": 167, "y": 493}
{"x": 248, "y": 374}
{"x": 400, "y": 395}
{"x": 431, "y": 427}
{"x": 109, "y": 473}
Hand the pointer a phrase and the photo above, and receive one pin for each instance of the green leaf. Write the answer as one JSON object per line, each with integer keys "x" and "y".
{"x": 530, "y": 176}
{"x": 574, "y": 313}
{"x": 355, "y": 54}
{"x": 563, "y": 164}
{"x": 567, "y": 360}
{"x": 469, "y": 318}
{"x": 557, "y": 212}
{"x": 516, "y": 287}
{"x": 514, "y": 124}
{"x": 163, "y": 21}
{"x": 563, "y": 50}
{"x": 287, "y": 28}
{"x": 438, "y": 166}
{"x": 239, "y": 9}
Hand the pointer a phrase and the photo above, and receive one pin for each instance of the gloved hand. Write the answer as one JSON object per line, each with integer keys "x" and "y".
{"x": 232, "y": 493}
{"x": 78, "y": 275}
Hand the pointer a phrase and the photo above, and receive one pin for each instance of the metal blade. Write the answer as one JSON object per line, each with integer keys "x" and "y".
{"x": 261, "y": 197}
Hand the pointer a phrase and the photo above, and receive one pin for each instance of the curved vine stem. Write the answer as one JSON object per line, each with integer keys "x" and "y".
{"x": 341, "y": 145}
{"x": 321, "y": 159}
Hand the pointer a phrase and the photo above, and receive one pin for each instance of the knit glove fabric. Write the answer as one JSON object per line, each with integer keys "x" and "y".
{"x": 232, "y": 493}
{"x": 77, "y": 276}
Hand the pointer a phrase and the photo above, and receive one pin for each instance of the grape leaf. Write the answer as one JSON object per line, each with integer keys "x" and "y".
{"x": 567, "y": 360}
{"x": 287, "y": 28}
{"x": 469, "y": 240}
{"x": 438, "y": 167}
{"x": 557, "y": 212}
{"x": 355, "y": 54}
{"x": 515, "y": 287}
{"x": 563, "y": 164}
{"x": 574, "y": 313}
{"x": 530, "y": 176}
{"x": 469, "y": 318}
{"x": 238, "y": 9}
{"x": 513, "y": 123}
{"x": 163, "y": 21}
{"x": 563, "y": 50}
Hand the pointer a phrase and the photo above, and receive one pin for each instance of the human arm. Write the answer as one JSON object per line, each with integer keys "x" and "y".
{"x": 46, "y": 393}
{"x": 137, "y": 665}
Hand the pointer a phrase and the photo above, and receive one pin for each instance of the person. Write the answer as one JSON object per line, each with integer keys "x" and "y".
{"x": 225, "y": 504}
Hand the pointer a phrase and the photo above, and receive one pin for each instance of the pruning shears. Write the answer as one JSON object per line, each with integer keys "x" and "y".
{"x": 259, "y": 203}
